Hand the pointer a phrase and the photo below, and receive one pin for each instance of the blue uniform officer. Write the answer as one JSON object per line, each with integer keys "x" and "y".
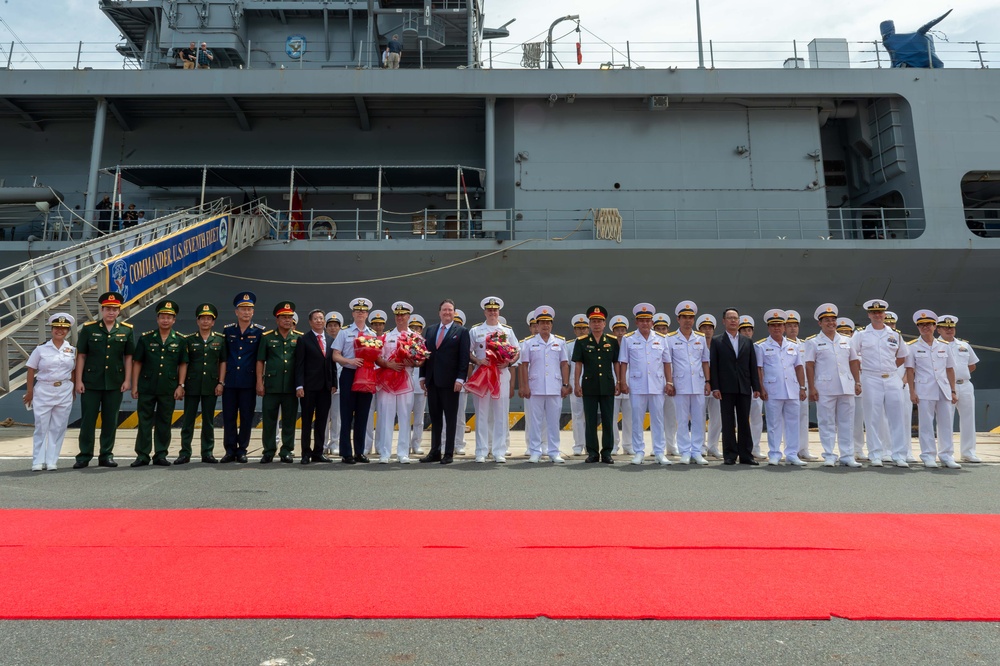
{"x": 239, "y": 393}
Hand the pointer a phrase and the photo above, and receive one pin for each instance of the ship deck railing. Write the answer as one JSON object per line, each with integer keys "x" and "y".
{"x": 463, "y": 223}
{"x": 791, "y": 54}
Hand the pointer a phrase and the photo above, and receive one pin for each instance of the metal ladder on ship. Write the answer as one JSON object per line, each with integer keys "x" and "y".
{"x": 69, "y": 280}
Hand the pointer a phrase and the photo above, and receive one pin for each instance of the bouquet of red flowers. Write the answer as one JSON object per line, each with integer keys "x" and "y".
{"x": 367, "y": 348}
{"x": 410, "y": 350}
{"x": 485, "y": 379}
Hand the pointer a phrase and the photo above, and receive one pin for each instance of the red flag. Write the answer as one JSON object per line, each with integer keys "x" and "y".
{"x": 297, "y": 228}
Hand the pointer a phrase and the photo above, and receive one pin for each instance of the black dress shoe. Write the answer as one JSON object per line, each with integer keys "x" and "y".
{"x": 348, "y": 460}
{"x": 182, "y": 460}
{"x": 287, "y": 458}
{"x": 139, "y": 463}
{"x": 321, "y": 459}
{"x": 592, "y": 459}
{"x": 80, "y": 464}
{"x": 750, "y": 462}
{"x": 107, "y": 462}
{"x": 161, "y": 462}
{"x": 607, "y": 460}
{"x": 305, "y": 461}
{"x": 266, "y": 459}
{"x": 228, "y": 458}
{"x": 210, "y": 459}
{"x": 728, "y": 462}
{"x": 242, "y": 458}
{"x": 447, "y": 460}
{"x": 431, "y": 458}
{"x": 362, "y": 459}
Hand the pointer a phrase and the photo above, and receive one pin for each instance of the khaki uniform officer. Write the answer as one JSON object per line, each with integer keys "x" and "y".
{"x": 206, "y": 376}
{"x": 965, "y": 364}
{"x": 103, "y": 373}
{"x": 644, "y": 360}
{"x": 706, "y": 326}
{"x": 276, "y": 383}
{"x": 544, "y": 371}
{"x": 930, "y": 373}
{"x": 881, "y": 350}
{"x": 158, "y": 375}
{"x": 689, "y": 358}
{"x": 580, "y": 328}
{"x": 595, "y": 379}
{"x": 833, "y": 386}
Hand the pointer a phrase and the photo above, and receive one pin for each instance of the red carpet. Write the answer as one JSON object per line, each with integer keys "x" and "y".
{"x": 497, "y": 564}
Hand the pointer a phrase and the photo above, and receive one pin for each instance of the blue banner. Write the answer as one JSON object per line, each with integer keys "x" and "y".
{"x": 139, "y": 271}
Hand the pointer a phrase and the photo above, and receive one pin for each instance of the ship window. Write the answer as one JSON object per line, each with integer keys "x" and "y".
{"x": 981, "y": 200}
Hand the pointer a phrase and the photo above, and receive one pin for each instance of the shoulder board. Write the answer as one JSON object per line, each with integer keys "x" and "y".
{"x": 962, "y": 340}
{"x": 811, "y": 337}
{"x": 150, "y": 332}
{"x": 90, "y": 323}
{"x": 476, "y": 325}
{"x": 230, "y": 325}
{"x": 699, "y": 333}
{"x": 188, "y": 336}
{"x": 526, "y": 339}
{"x": 268, "y": 332}
{"x": 583, "y": 337}
{"x": 627, "y": 335}
{"x": 215, "y": 334}
{"x": 910, "y": 342}
{"x": 295, "y": 331}
{"x": 508, "y": 329}
{"x": 125, "y": 323}
{"x": 668, "y": 335}
{"x": 761, "y": 341}
{"x": 261, "y": 326}
{"x": 558, "y": 336}
{"x": 662, "y": 335}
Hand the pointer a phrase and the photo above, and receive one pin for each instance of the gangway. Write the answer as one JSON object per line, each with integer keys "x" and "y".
{"x": 70, "y": 280}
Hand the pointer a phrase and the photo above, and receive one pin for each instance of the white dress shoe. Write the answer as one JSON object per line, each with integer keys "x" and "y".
{"x": 534, "y": 459}
{"x": 887, "y": 459}
{"x": 673, "y": 451}
{"x": 773, "y": 461}
{"x": 500, "y": 459}
{"x": 405, "y": 460}
{"x": 899, "y": 462}
{"x": 794, "y": 460}
{"x": 807, "y": 456}
{"x": 930, "y": 464}
{"x": 850, "y": 462}
{"x": 663, "y": 460}
{"x": 558, "y": 460}
{"x": 637, "y": 459}
{"x": 951, "y": 464}
{"x": 577, "y": 452}
{"x": 383, "y": 460}
{"x": 37, "y": 468}
{"x": 912, "y": 459}
{"x": 876, "y": 463}
{"x": 699, "y": 459}
{"x": 685, "y": 460}
{"x": 629, "y": 451}
{"x": 829, "y": 463}
{"x": 480, "y": 459}
{"x": 51, "y": 468}
{"x": 971, "y": 459}
{"x": 417, "y": 452}
{"x": 460, "y": 451}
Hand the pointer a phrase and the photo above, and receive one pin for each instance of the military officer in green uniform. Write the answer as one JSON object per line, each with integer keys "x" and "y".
{"x": 595, "y": 359}
{"x": 276, "y": 383}
{"x": 103, "y": 373}
{"x": 206, "y": 376}
{"x": 158, "y": 374}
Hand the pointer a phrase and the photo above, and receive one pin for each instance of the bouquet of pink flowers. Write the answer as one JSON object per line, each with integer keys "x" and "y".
{"x": 410, "y": 351}
{"x": 367, "y": 348}
{"x": 485, "y": 379}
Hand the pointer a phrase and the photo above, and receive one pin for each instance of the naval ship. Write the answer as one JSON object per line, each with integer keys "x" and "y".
{"x": 814, "y": 178}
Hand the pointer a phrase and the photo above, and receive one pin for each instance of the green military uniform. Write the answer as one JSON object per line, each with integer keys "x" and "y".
{"x": 104, "y": 353}
{"x": 278, "y": 356}
{"x": 597, "y": 382}
{"x": 205, "y": 357}
{"x": 159, "y": 377}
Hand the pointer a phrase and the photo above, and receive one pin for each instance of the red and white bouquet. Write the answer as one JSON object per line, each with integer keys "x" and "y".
{"x": 367, "y": 348}
{"x": 485, "y": 378}
{"x": 410, "y": 351}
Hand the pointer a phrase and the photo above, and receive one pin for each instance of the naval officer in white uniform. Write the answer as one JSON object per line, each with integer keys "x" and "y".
{"x": 581, "y": 328}
{"x": 930, "y": 373}
{"x": 833, "y": 386}
{"x": 783, "y": 387}
{"x": 689, "y": 358}
{"x": 881, "y": 351}
{"x": 845, "y": 327}
{"x": 646, "y": 376}
{"x": 623, "y": 404}
{"x": 706, "y": 326}
{"x": 417, "y": 324}
{"x": 661, "y": 324}
{"x": 792, "y": 324}
{"x": 965, "y": 364}
{"x": 492, "y": 414}
{"x": 50, "y": 392}
{"x": 395, "y": 407}
{"x": 544, "y": 368}
{"x": 756, "y": 404}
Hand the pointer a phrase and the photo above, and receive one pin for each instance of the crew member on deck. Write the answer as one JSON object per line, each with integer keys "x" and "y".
{"x": 645, "y": 374}
{"x": 930, "y": 373}
{"x": 544, "y": 369}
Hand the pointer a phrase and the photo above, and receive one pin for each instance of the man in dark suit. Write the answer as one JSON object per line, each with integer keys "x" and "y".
{"x": 315, "y": 383}
{"x": 442, "y": 377}
{"x": 733, "y": 370}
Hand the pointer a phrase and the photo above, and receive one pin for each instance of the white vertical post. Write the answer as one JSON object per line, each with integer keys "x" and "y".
{"x": 204, "y": 180}
{"x": 378, "y": 226}
{"x": 490, "y": 151}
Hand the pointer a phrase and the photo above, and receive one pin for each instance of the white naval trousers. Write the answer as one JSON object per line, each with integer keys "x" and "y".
{"x": 782, "y": 421}
{"x": 859, "y": 427}
{"x": 623, "y": 406}
{"x": 927, "y": 411}
{"x": 463, "y": 402}
{"x": 835, "y": 416}
{"x": 966, "y": 409}
{"x": 370, "y": 428}
{"x": 543, "y": 415}
{"x": 393, "y": 408}
{"x": 332, "y": 445}
{"x": 804, "y": 428}
{"x": 579, "y": 426}
{"x": 417, "y": 432}
{"x": 51, "y": 406}
{"x": 689, "y": 407}
{"x": 756, "y": 423}
{"x": 714, "y": 426}
{"x": 884, "y": 400}
{"x": 652, "y": 403}
{"x": 670, "y": 424}
{"x": 492, "y": 420}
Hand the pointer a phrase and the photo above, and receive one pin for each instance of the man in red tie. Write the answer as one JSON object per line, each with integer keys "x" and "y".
{"x": 442, "y": 377}
{"x": 315, "y": 384}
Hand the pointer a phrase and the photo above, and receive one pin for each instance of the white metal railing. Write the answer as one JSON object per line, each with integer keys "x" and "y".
{"x": 507, "y": 54}
{"x": 69, "y": 279}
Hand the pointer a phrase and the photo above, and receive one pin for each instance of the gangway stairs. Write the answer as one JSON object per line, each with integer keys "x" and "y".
{"x": 71, "y": 280}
